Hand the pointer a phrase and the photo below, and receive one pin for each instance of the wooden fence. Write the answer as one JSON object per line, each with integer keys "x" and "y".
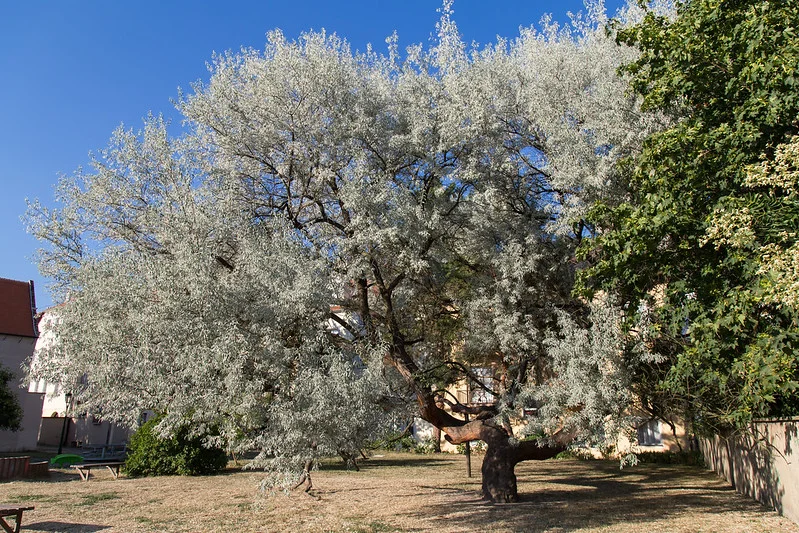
{"x": 13, "y": 467}
{"x": 763, "y": 464}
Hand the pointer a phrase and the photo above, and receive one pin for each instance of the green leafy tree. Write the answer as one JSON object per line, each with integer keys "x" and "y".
{"x": 707, "y": 235}
{"x": 10, "y": 410}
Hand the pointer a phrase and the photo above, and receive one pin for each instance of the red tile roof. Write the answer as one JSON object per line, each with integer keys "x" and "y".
{"x": 17, "y": 308}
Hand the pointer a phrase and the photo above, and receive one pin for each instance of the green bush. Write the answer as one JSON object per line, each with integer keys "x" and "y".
{"x": 692, "y": 458}
{"x": 476, "y": 446}
{"x": 151, "y": 455}
{"x": 10, "y": 410}
{"x": 426, "y": 445}
{"x": 575, "y": 453}
{"x": 405, "y": 444}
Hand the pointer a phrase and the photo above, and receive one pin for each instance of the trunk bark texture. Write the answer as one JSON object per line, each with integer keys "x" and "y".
{"x": 499, "y": 464}
{"x": 502, "y": 455}
{"x": 499, "y": 477}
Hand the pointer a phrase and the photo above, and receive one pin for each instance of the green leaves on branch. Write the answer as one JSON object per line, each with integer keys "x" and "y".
{"x": 10, "y": 410}
{"x": 709, "y": 230}
{"x": 178, "y": 453}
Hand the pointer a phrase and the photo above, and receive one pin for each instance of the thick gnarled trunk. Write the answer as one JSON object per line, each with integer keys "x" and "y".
{"x": 499, "y": 477}
{"x": 503, "y": 454}
{"x": 501, "y": 458}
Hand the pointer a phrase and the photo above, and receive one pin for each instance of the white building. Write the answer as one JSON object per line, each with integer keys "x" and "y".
{"x": 18, "y": 334}
{"x": 63, "y": 422}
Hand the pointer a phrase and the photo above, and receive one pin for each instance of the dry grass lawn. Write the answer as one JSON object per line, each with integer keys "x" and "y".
{"x": 399, "y": 492}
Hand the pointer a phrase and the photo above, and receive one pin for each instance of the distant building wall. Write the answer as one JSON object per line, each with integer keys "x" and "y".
{"x": 763, "y": 465}
{"x": 15, "y": 350}
{"x": 91, "y": 432}
{"x": 81, "y": 431}
{"x": 52, "y": 428}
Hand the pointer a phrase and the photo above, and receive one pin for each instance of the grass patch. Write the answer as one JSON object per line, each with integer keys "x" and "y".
{"x": 24, "y": 498}
{"x": 380, "y": 527}
{"x": 91, "y": 499}
{"x": 371, "y": 527}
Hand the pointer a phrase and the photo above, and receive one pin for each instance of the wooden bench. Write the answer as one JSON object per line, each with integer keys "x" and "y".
{"x": 85, "y": 469}
{"x": 16, "y": 512}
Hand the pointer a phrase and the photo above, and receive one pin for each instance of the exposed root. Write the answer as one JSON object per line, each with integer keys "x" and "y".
{"x": 305, "y": 478}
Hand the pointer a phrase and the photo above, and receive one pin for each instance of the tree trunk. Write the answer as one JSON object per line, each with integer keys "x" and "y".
{"x": 499, "y": 478}
{"x": 501, "y": 458}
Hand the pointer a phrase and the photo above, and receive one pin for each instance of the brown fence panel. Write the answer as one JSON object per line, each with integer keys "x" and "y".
{"x": 14, "y": 467}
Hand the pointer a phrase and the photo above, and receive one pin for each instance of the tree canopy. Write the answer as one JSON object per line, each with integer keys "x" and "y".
{"x": 706, "y": 236}
{"x": 338, "y": 229}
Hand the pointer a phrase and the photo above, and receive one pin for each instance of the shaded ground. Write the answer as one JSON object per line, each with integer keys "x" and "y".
{"x": 400, "y": 493}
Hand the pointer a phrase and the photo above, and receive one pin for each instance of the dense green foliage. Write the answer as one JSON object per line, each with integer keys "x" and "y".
{"x": 179, "y": 454}
{"x": 10, "y": 410}
{"x": 706, "y": 236}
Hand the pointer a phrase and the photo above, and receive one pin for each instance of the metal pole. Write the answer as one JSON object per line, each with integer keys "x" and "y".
{"x": 63, "y": 432}
{"x": 468, "y": 453}
{"x": 67, "y": 400}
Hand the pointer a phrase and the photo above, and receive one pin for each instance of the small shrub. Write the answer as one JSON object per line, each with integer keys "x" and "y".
{"x": 426, "y": 445}
{"x": 151, "y": 455}
{"x": 575, "y": 453}
{"x": 10, "y": 409}
{"x": 693, "y": 458}
{"x": 475, "y": 446}
{"x": 405, "y": 444}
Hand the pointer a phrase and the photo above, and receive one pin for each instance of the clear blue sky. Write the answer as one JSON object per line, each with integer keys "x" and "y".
{"x": 71, "y": 72}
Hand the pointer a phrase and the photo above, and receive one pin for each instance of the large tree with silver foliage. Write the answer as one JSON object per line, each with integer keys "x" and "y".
{"x": 427, "y": 206}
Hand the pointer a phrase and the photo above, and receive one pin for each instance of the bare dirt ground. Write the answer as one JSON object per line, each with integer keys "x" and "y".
{"x": 399, "y": 492}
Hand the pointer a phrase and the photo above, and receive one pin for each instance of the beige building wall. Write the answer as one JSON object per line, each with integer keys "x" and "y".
{"x": 82, "y": 430}
{"x": 14, "y": 351}
{"x": 670, "y": 440}
{"x": 763, "y": 464}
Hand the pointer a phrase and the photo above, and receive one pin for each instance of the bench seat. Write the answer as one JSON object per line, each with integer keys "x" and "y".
{"x": 15, "y": 511}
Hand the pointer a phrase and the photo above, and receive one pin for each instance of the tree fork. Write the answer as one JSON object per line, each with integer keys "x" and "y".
{"x": 498, "y": 475}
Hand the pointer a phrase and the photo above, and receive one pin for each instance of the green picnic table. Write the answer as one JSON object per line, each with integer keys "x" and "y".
{"x": 85, "y": 469}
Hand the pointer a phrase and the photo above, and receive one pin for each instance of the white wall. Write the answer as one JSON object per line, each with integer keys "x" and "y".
{"x": 13, "y": 352}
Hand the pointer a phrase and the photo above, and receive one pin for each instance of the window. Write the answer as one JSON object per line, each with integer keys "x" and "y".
{"x": 478, "y": 394}
{"x": 649, "y": 433}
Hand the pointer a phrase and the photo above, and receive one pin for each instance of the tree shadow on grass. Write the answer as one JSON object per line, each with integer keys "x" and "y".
{"x": 62, "y": 527}
{"x": 59, "y": 475}
{"x": 412, "y": 462}
{"x": 593, "y": 495}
